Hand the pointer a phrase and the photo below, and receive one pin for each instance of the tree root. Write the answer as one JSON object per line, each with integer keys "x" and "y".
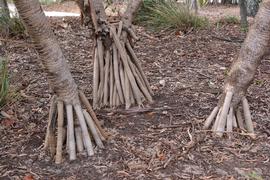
{"x": 118, "y": 76}
{"x": 226, "y": 117}
{"x": 240, "y": 76}
{"x": 78, "y": 130}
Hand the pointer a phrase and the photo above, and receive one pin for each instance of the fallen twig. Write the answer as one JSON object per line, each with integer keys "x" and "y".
{"x": 228, "y": 40}
{"x": 137, "y": 110}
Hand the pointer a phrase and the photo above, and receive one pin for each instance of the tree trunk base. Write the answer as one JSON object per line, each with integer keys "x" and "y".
{"x": 225, "y": 117}
{"x": 255, "y": 47}
{"x": 63, "y": 125}
{"x": 85, "y": 13}
{"x": 118, "y": 75}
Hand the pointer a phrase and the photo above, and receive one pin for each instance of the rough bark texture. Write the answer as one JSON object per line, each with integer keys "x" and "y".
{"x": 256, "y": 45}
{"x": 4, "y": 11}
{"x": 99, "y": 20}
{"x": 243, "y": 13}
{"x": 252, "y": 7}
{"x": 58, "y": 73}
{"x": 194, "y": 5}
{"x": 242, "y": 72}
{"x": 118, "y": 76}
{"x": 85, "y": 11}
{"x": 65, "y": 88}
{"x": 131, "y": 11}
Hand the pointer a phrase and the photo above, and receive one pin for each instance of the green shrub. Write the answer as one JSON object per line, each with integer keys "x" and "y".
{"x": 143, "y": 13}
{"x": 254, "y": 175}
{"x": 48, "y": 2}
{"x": 160, "y": 14}
{"x": 228, "y": 20}
{"x": 10, "y": 26}
{"x": 3, "y": 81}
{"x": 202, "y": 2}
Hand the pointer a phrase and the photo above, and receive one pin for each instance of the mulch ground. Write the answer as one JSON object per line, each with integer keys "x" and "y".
{"x": 163, "y": 141}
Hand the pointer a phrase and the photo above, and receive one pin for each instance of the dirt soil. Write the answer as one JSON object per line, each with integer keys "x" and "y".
{"x": 66, "y": 6}
{"x": 186, "y": 72}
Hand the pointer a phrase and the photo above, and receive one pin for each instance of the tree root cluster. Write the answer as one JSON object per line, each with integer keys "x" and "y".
{"x": 118, "y": 75}
{"x": 76, "y": 132}
{"x": 224, "y": 118}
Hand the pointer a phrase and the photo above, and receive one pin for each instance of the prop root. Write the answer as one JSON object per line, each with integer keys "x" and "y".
{"x": 74, "y": 123}
{"x": 226, "y": 117}
{"x": 118, "y": 75}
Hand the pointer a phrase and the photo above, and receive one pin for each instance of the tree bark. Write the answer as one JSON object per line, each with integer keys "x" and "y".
{"x": 194, "y": 6}
{"x": 4, "y": 10}
{"x": 243, "y": 13}
{"x": 117, "y": 71}
{"x": 5, "y": 14}
{"x": 99, "y": 17}
{"x": 131, "y": 11}
{"x": 255, "y": 46}
{"x": 99, "y": 8}
{"x": 65, "y": 88}
{"x": 85, "y": 11}
{"x": 52, "y": 58}
{"x": 252, "y": 7}
{"x": 242, "y": 73}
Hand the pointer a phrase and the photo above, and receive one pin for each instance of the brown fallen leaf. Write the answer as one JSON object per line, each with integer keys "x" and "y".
{"x": 7, "y": 122}
{"x": 150, "y": 115}
{"x": 136, "y": 165}
{"x": 161, "y": 156}
{"x": 122, "y": 173}
{"x": 28, "y": 177}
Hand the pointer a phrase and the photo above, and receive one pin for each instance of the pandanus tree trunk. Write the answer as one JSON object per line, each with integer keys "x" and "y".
{"x": 194, "y": 6}
{"x": 252, "y": 7}
{"x": 67, "y": 98}
{"x": 85, "y": 11}
{"x": 243, "y": 13}
{"x": 4, "y": 11}
{"x": 118, "y": 75}
{"x": 5, "y": 16}
{"x": 256, "y": 45}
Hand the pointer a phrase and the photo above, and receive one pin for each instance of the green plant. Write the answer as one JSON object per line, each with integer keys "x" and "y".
{"x": 48, "y": 2}
{"x": 254, "y": 176}
{"x": 143, "y": 13}
{"x": 244, "y": 29}
{"x": 259, "y": 82}
{"x": 202, "y": 2}
{"x": 4, "y": 87}
{"x": 160, "y": 14}
{"x": 226, "y": 72}
{"x": 228, "y": 20}
{"x": 11, "y": 26}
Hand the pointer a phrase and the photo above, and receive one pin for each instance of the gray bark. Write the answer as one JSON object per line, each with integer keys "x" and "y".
{"x": 113, "y": 47}
{"x": 194, "y": 5}
{"x": 48, "y": 49}
{"x": 131, "y": 11}
{"x": 243, "y": 13}
{"x": 252, "y": 7}
{"x": 85, "y": 11}
{"x": 4, "y": 11}
{"x": 242, "y": 73}
{"x": 256, "y": 45}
